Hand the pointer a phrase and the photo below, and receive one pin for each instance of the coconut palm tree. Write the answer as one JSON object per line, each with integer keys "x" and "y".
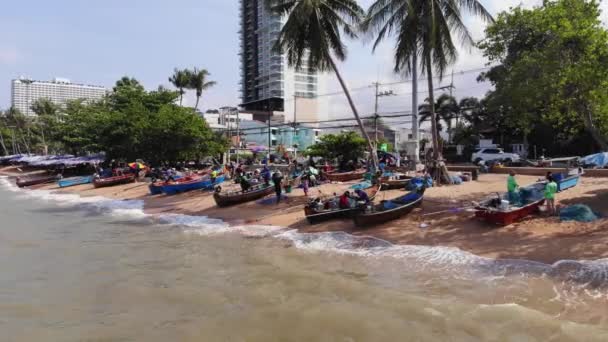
{"x": 198, "y": 82}
{"x": 181, "y": 80}
{"x": 423, "y": 29}
{"x": 446, "y": 110}
{"x": 312, "y": 37}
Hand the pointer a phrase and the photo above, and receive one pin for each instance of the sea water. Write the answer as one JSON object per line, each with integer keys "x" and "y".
{"x": 94, "y": 269}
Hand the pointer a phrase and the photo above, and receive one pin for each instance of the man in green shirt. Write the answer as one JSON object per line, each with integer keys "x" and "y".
{"x": 512, "y": 188}
{"x": 550, "y": 190}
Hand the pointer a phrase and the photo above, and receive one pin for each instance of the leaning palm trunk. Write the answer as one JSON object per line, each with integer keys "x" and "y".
{"x": 372, "y": 151}
{"x": 196, "y": 105}
{"x": 3, "y": 145}
{"x": 429, "y": 71}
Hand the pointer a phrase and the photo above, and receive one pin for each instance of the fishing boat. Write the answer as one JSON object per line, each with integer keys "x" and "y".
{"x": 497, "y": 210}
{"x": 345, "y": 176}
{"x": 35, "y": 180}
{"x": 395, "y": 181}
{"x": 568, "y": 179}
{"x": 72, "y": 181}
{"x": 225, "y": 199}
{"x": 316, "y": 215}
{"x": 111, "y": 181}
{"x": 190, "y": 183}
{"x": 156, "y": 188}
{"x": 390, "y": 210}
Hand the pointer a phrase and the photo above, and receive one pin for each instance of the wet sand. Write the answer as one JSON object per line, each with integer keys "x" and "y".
{"x": 538, "y": 238}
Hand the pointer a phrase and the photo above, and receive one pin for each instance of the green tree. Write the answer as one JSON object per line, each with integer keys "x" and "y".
{"x": 553, "y": 67}
{"x": 198, "y": 82}
{"x": 312, "y": 36}
{"x": 446, "y": 110}
{"x": 423, "y": 28}
{"x": 181, "y": 79}
{"x": 343, "y": 147}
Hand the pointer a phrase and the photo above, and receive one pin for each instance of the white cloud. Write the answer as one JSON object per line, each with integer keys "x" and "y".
{"x": 8, "y": 55}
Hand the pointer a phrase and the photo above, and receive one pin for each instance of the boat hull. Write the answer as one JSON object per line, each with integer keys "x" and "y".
{"x": 229, "y": 199}
{"x": 505, "y": 218}
{"x": 23, "y": 182}
{"x": 111, "y": 181}
{"x": 199, "y": 184}
{"x": 568, "y": 182}
{"x": 391, "y": 184}
{"x": 366, "y": 219}
{"x": 314, "y": 216}
{"x": 345, "y": 176}
{"x": 73, "y": 181}
{"x": 156, "y": 188}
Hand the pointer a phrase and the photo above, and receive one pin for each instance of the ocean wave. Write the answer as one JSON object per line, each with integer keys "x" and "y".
{"x": 459, "y": 263}
{"x": 6, "y": 184}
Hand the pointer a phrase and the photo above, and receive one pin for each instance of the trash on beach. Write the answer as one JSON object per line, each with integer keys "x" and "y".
{"x": 579, "y": 213}
{"x": 456, "y": 180}
{"x": 423, "y": 225}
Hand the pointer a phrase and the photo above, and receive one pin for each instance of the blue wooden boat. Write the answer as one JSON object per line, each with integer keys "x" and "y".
{"x": 156, "y": 188}
{"x": 72, "y": 181}
{"x": 567, "y": 180}
{"x": 191, "y": 184}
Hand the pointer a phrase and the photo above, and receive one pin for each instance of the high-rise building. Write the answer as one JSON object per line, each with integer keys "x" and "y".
{"x": 25, "y": 92}
{"x": 267, "y": 83}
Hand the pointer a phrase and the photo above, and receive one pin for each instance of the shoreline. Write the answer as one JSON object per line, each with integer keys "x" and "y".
{"x": 541, "y": 239}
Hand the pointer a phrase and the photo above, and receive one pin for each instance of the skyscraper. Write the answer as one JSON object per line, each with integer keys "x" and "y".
{"x": 267, "y": 83}
{"x": 25, "y": 92}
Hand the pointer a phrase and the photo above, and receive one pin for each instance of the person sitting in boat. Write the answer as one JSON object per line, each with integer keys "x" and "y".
{"x": 512, "y": 188}
{"x": 345, "y": 200}
{"x": 245, "y": 185}
{"x": 214, "y": 174}
{"x": 333, "y": 202}
{"x": 362, "y": 196}
{"x": 266, "y": 175}
{"x": 550, "y": 190}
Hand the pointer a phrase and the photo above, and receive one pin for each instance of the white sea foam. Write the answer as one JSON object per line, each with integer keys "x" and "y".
{"x": 6, "y": 184}
{"x": 458, "y": 262}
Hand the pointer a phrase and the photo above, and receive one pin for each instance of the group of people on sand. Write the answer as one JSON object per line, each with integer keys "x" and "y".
{"x": 549, "y": 191}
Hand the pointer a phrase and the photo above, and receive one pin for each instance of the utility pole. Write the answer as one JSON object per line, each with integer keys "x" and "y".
{"x": 268, "y": 156}
{"x": 376, "y": 116}
{"x": 238, "y": 136}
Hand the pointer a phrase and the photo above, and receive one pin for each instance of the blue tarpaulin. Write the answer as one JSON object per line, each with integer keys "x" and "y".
{"x": 599, "y": 160}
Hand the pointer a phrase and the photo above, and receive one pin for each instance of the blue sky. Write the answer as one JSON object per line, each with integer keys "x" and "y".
{"x": 97, "y": 42}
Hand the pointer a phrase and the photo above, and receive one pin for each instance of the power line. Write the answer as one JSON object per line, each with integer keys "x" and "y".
{"x": 456, "y": 73}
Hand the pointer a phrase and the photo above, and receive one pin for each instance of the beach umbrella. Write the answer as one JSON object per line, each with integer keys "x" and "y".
{"x": 137, "y": 165}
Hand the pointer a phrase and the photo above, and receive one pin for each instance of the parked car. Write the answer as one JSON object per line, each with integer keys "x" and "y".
{"x": 493, "y": 154}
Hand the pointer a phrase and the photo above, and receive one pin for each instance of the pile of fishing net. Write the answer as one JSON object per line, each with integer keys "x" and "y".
{"x": 578, "y": 212}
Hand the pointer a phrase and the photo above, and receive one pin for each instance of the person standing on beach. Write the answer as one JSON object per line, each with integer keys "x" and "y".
{"x": 550, "y": 190}
{"x": 305, "y": 183}
{"x": 277, "y": 179}
{"x": 512, "y": 187}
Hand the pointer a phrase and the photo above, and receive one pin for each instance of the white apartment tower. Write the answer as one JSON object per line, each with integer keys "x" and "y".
{"x": 25, "y": 92}
{"x": 267, "y": 83}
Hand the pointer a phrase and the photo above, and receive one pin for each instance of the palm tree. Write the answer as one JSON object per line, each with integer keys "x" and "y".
{"x": 198, "y": 82}
{"x": 312, "y": 36}
{"x": 181, "y": 80}
{"x": 423, "y": 28}
{"x": 446, "y": 110}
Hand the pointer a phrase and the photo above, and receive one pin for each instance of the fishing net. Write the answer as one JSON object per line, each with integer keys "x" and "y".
{"x": 361, "y": 186}
{"x": 416, "y": 183}
{"x": 578, "y": 212}
{"x": 456, "y": 180}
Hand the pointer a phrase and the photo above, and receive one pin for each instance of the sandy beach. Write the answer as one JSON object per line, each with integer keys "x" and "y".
{"x": 443, "y": 219}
